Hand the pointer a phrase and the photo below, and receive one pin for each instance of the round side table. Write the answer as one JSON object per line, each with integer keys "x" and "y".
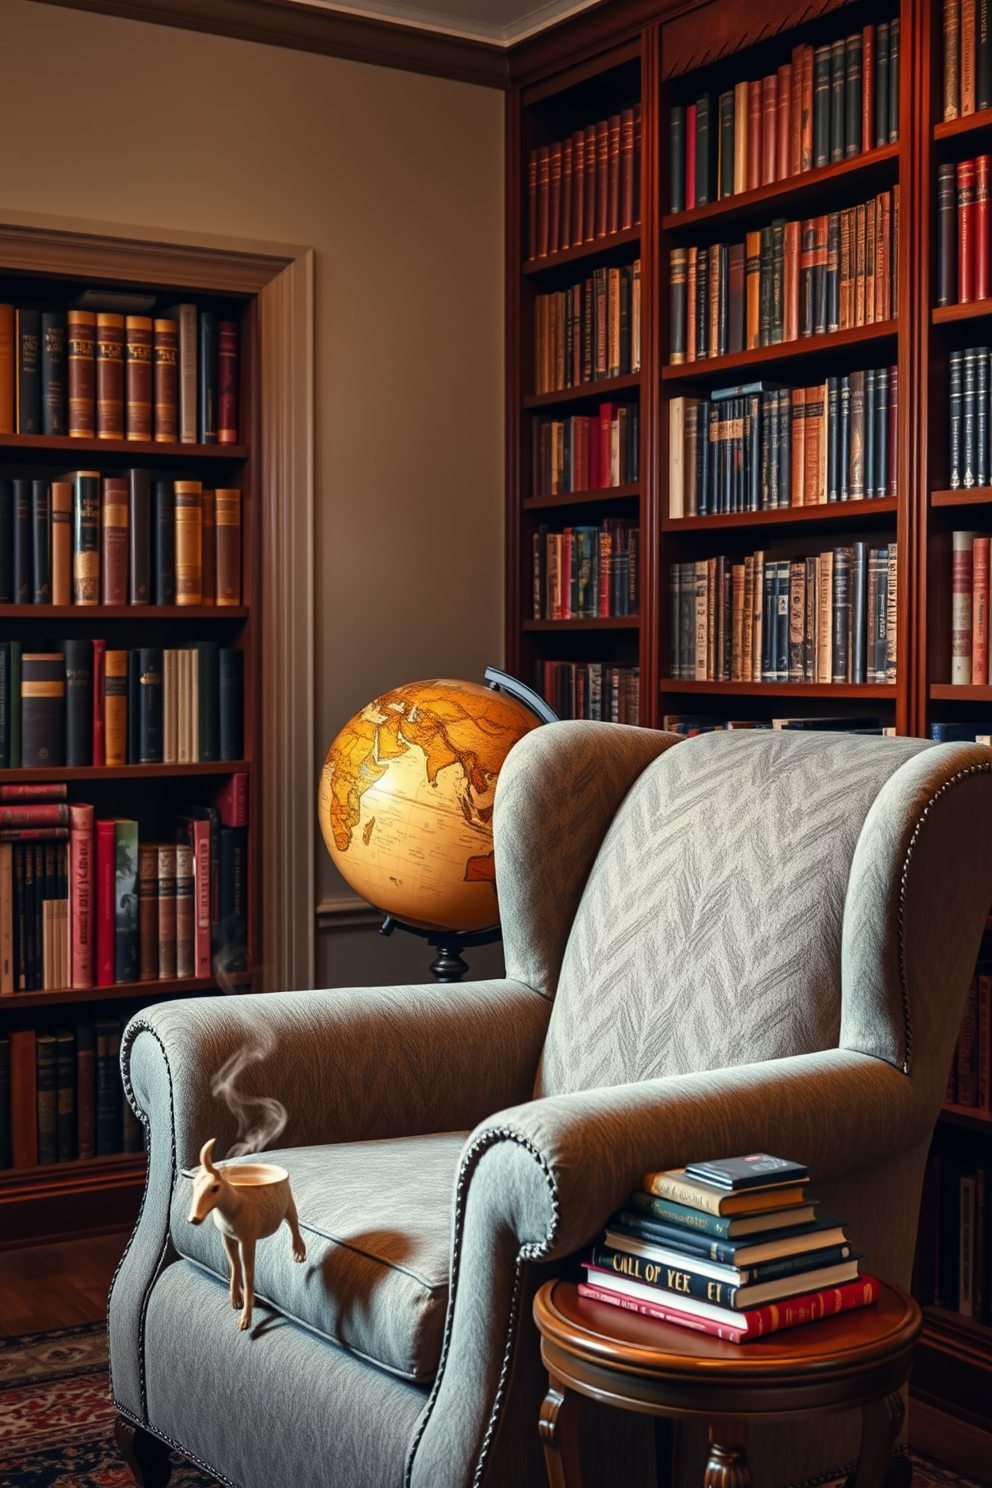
{"x": 859, "y": 1358}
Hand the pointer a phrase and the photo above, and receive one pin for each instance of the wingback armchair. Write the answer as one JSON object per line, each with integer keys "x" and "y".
{"x": 755, "y": 940}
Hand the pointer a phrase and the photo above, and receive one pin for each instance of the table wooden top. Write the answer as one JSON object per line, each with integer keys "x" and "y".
{"x": 625, "y": 1341}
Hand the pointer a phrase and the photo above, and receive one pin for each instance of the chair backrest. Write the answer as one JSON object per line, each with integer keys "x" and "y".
{"x": 709, "y": 933}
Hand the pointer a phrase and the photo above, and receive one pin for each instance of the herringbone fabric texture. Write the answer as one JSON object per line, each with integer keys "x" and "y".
{"x": 709, "y": 933}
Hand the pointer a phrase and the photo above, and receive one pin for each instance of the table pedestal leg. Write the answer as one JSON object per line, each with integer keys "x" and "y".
{"x": 559, "y": 1428}
{"x": 880, "y": 1425}
{"x": 728, "y": 1465}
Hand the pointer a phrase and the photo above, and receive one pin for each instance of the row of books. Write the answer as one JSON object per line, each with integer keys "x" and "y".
{"x": 585, "y": 187}
{"x": 968, "y": 1083}
{"x": 691, "y": 724}
{"x": 587, "y": 452}
{"x": 591, "y": 689}
{"x": 62, "y": 1097}
{"x": 98, "y": 374}
{"x": 589, "y": 332}
{"x": 761, "y": 445}
{"x": 828, "y": 104}
{"x": 119, "y": 539}
{"x": 954, "y": 1244}
{"x": 131, "y": 911}
{"x": 970, "y": 598}
{"x": 86, "y": 705}
{"x": 967, "y": 58}
{"x": 828, "y": 618}
{"x": 970, "y": 458}
{"x": 788, "y": 281}
{"x": 733, "y": 1247}
{"x": 587, "y": 573}
{"x": 963, "y": 231}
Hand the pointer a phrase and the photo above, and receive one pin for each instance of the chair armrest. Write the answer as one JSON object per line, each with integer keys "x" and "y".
{"x": 349, "y": 1065}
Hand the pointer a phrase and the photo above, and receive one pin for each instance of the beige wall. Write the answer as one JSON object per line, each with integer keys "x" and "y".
{"x": 395, "y": 180}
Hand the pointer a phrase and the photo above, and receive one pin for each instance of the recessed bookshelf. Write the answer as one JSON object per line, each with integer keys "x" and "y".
{"x": 967, "y": 124}
{"x": 608, "y": 622}
{"x": 976, "y": 496}
{"x": 599, "y": 248}
{"x": 591, "y": 392}
{"x": 37, "y": 445}
{"x": 825, "y": 516}
{"x": 133, "y": 991}
{"x": 581, "y": 498}
{"x": 972, "y": 310}
{"x": 796, "y": 690}
{"x": 812, "y": 348}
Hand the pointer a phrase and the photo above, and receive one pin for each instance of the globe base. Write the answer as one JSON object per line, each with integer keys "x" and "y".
{"x": 449, "y": 965}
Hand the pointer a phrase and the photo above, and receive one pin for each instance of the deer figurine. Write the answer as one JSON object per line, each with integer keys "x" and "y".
{"x": 249, "y": 1201}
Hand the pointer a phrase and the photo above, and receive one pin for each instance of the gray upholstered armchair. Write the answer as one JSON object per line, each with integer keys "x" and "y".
{"x": 753, "y": 941}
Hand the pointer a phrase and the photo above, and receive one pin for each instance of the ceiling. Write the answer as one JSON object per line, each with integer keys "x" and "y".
{"x": 495, "y": 21}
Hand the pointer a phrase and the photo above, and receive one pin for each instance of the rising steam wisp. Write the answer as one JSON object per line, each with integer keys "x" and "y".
{"x": 260, "y": 1118}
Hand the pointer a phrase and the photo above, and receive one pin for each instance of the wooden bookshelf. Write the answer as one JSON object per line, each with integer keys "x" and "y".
{"x": 85, "y": 1196}
{"x": 662, "y": 54}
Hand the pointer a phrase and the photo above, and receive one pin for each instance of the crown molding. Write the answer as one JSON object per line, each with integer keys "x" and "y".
{"x": 333, "y": 33}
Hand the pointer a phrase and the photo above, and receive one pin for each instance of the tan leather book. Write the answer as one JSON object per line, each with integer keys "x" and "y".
{"x": 165, "y": 381}
{"x": 883, "y": 267}
{"x": 797, "y": 467}
{"x": 115, "y": 708}
{"x": 61, "y": 542}
{"x": 147, "y": 911}
{"x": 737, "y": 623}
{"x": 691, "y": 309}
{"x": 109, "y": 375}
{"x": 824, "y": 618}
{"x": 189, "y": 542}
{"x": 228, "y": 515}
{"x": 860, "y": 222}
{"x": 796, "y": 113}
{"x": 613, "y": 175}
{"x": 752, "y": 290}
{"x": 806, "y": 114}
{"x": 138, "y": 377}
{"x": 814, "y": 485}
{"x": 165, "y": 854}
{"x": 114, "y": 540}
{"x": 81, "y": 348}
{"x": 713, "y": 308}
{"x": 968, "y": 56}
{"x": 208, "y": 551}
{"x": 870, "y": 248}
{"x": 755, "y": 137}
{"x": 793, "y": 233}
{"x": 783, "y": 121}
{"x": 740, "y": 137}
{"x": 7, "y": 364}
{"x": 769, "y": 128}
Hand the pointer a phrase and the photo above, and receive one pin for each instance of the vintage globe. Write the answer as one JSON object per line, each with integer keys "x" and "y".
{"x": 406, "y": 800}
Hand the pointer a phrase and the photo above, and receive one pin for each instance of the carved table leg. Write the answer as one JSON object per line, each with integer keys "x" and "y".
{"x": 881, "y": 1422}
{"x": 728, "y": 1465}
{"x": 145, "y": 1455}
{"x": 559, "y": 1429}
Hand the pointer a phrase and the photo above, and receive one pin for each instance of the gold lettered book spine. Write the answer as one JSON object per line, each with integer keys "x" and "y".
{"x": 189, "y": 543}
{"x": 42, "y": 708}
{"x": 208, "y": 551}
{"x": 166, "y": 865}
{"x": 109, "y": 375}
{"x": 228, "y": 508}
{"x": 114, "y": 536}
{"x": 81, "y": 338}
{"x": 148, "y": 911}
{"x": 61, "y": 542}
{"x": 165, "y": 376}
{"x": 115, "y": 708}
{"x": 86, "y": 539}
{"x": 138, "y": 376}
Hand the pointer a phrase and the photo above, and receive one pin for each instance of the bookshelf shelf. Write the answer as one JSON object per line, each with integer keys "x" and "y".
{"x": 958, "y": 692}
{"x": 89, "y": 1173}
{"x": 597, "y": 248}
{"x": 967, "y": 1116}
{"x": 586, "y": 392}
{"x": 134, "y": 613}
{"x": 123, "y": 772}
{"x": 969, "y": 124}
{"x": 976, "y": 496}
{"x": 121, "y": 991}
{"x": 809, "y": 348}
{"x": 833, "y": 514}
{"x": 943, "y": 1323}
{"x": 612, "y": 622}
{"x": 795, "y": 690}
{"x": 37, "y": 445}
{"x": 797, "y": 191}
{"x": 973, "y": 310}
{"x": 581, "y": 498}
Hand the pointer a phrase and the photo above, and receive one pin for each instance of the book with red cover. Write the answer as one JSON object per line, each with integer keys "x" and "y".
{"x": 783, "y": 116}
{"x": 690, "y": 157}
{"x": 982, "y": 164}
{"x": 754, "y": 134}
{"x": 106, "y": 879}
{"x": 565, "y": 203}
{"x": 627, "y": 192}
{"x": 589, "y": 191}
{"x": 613, "y": 175}
{"x": 81, "y": 896}
{"x": 532, "y": 205}
{"x": 966, "y": 231}
{"x": 769, "y": 128}
{"x": 602, "y": 177}
{"x": 55, "y": 790}
{"x": 980, "y": 612}
{"x": 554, "y": 197}
{"x": 23, "y": 1099}
{"x": 227, "y": 382}
{"x": 232, "y": 800}
{"x": 99, "y": 702}
{"x": 543, "y": 188}
{"x": 54, "y": 814}
{"x": 577, "y": 230}
{"x": 201, "y": 891}
{"x": 867, "y": 87}
{"x": 755, "y": 1322}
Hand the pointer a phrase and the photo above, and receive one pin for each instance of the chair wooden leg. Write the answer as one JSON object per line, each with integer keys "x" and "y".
{"x": 728, "y": 1466}
{"x": 881, "y": 1423}
{"x": 559, "y": 1428}
{"x": 145, "y": 1455}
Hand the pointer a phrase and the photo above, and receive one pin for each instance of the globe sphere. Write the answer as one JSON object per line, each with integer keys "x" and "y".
{"x": 406, "y": 801}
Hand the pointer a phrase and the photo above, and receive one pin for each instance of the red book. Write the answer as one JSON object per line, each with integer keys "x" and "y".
{"x": 227, "y": 382}
{"x": 589, "y": 192}
{"x": 201, "y": 891}
{"x": 232, "y": 801}
{"x": 106, "y": 877}
{"x": 593, "y": 456}
{"x": 867, "y": 87}
{"x": 543, "y": 186}
{"x": 980, "y": 612}
{"x": 532, "y": 204}
{"x": 755, "y": 1322}
{"x": 984, "y": 1038}
{"x": 783, "y": 121}
{"x": 637, "y": 162}
{"x": 968, "y": 1050}
{"x": 81, "y": 868}
{"x": 613, "y": 175}
{"x": 966, "y": 231}
{"x": 769, "y": 126}
{"x": 754, "y": 136}
{"x": 605, "y": 555}
{"x": 627, "y": 193}
{"x": 554, "y": 198}
{"x": 23, "y": 1099}
{"x": 55, "y": 814}
{"x": 565, "y": 211}
{"x": 99, "y": 701}
{"x": 690, "y": 157}
{"x": 894, "y": 430}
{"x": 56, "y": 791}
{"x": 982, "y": 227}
{"x": 577, "y": 230}
{"x": 602, "y": 177}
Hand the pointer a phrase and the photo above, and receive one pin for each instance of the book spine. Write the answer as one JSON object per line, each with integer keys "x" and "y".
{"x": 678, "y": 280}
{"x": 99, "y": 702}
{"x": 28, "y": 371}
{"x": 962, "y": 559}
{"x": 126, "y": 942}
{"x": 853, "y": 95}
{"x": 104, "y": 904}
{"x": 952, "y": 59}
{"x": 185, "y": 912}
{"x": 41, "y": 542}
{"x": 8, "y": 365}
{"x": 81, "y": 346}
{"x": 54, "y": 373}
{"x": 78, "y": 702}
{"x": 107, "y": 1114}
{"x": 628, "y": 183}
{"x": 85, "y": 1090}
{"x": 166, "y": 922}
{"x": 966, "y": 231}
{"x": 227, "y": 380}
{"x": 232, "y": 955}
{"x": 676, "y": 158}
{"x": 766, "y": 133}
{"x": 86, "y": 539}
{"x": 115, "y": 707}
{"x": 148, "y": 911}
{"x": 114, "y": 540}
{"x": 893, "y": 130}
{"x": 109, "y": 375}
{"x": 81, "y": 895}
{"x": 228, "y": 539}
{"x": 980, "y": 612}
{"x": 138, "y": 423}
{"x": 6, "y": 540}
{"x": 43, "y": 709}
{"x": 23, "y": 561}
{"x": 982, "y": 227}
{"x": 61, "y": 542}
{"x": 185, "y": 317}
{"x": 163, "y": 537}
{"x": 46, "y": 1087}
{"x": 208, "y": 549}
{"x": 231, "y": 703}
{"x": 782, "y": 147}
{"x": 838, "y": 112}
{"x": 189, "y": 542}
{"x": 65, "y": 1053}
{"x": 947, "y": 278}
{"x": 207, "y": 379}
{"x": 725, "y": 145}
{"x": 165, "y": 380}
{"x": 821, "y": 107}
{"x": 150, "y": 726}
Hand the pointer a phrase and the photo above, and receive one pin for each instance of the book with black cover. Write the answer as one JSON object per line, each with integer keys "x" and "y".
{"x": 821, "y": 106}
{"x": 46, "y": 1084}
{"x": 676, "y": 146}
{"x": 42, "y": 709}
{"x": 78, "y": 655}
{"x": 150, "y": 709}
{"x": 893, "y": 121}
{"x": 133, "y": 706}
{"x": 838, "y": 109}
{"x": 231, "y": 709}
{"x": 164, "y": 540}
{"x": 854, "y": 141}
{"x": 54, "y": 373}
{"x": 107, "y": 1101}
{"x": 29, "y": 372}
{"x": 23, "y": 564}
{"x": 41, "y": 542}
{"x": 706, "y": 136}
{"x": 139, "y": 537}
{"x": 65, "y": 1056}
{"x": 882, "y": 34}
{"x": 754, "y": 1170}
{"x": 208, "y": 682}
{"x": 207, "y": 380}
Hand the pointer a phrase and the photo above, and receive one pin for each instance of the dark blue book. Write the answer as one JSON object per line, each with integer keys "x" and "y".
{"x": 78, "y": 655}
{"x": 838, "y": 102}
{"x": 676, "y": 168}
{"x": 955, "y": 398}
{"x": 881, "y": 84}
{"x": 756, "y": 1170}
{"x": 163, "y": 536}
{"x": 23, "y": 565}
{"x": 54, "y": 373}
{"x": 744, "y": 1246}
{"x": 960, "y": 733}
{"x": 787, "y": 1265}
{"x": 689, "y": 1281}
{"x": 821, "y": 106}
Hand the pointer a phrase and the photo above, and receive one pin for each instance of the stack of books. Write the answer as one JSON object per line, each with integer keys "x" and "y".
{"x": 732, "y": 1247}
{"x": 585, "y": 187}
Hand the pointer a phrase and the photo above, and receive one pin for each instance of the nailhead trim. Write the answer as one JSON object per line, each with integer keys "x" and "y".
{"x": 177, "y": 1446}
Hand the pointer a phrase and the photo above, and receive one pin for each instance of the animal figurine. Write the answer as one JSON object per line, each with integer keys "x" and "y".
{"x": 248, "y": 1201}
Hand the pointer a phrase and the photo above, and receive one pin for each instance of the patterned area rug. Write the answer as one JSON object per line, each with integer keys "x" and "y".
{"x": 56, "y": 1419}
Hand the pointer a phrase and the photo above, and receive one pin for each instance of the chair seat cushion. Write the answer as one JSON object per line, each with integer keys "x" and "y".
{"x": 376, "y": 1218}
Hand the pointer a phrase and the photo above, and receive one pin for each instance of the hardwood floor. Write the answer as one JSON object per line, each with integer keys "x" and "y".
{"x": 56, "y": 1286}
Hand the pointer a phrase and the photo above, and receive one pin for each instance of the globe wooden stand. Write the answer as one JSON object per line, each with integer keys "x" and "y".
{"x": 449, "y": 965}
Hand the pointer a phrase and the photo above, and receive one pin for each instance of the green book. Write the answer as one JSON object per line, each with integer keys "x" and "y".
{"x": 208, "y": 700}
{"x": 723, "y": 1226}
